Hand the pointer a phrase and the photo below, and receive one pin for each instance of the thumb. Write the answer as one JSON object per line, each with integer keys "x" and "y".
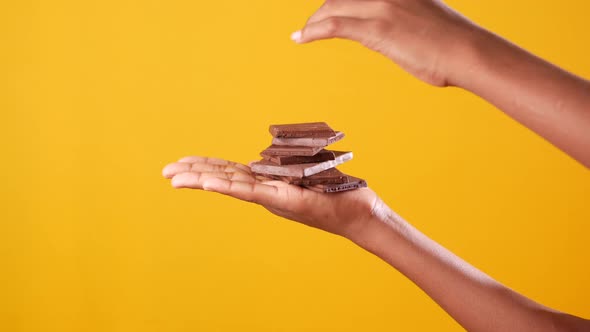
{"x": 333, "y": 27}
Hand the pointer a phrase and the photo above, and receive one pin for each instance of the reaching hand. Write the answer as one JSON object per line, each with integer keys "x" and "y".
{"x": 424, "y": 37}
{"x": 342, "y": 213}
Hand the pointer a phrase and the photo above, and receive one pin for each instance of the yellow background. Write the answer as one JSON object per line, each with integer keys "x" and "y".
{"x": 97, "y": 96}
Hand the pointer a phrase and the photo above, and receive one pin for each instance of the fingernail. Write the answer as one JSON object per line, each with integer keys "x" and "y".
{"x": 296, "y": 36}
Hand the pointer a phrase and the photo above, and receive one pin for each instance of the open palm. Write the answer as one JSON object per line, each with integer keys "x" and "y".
{"x": 339, "y": 213}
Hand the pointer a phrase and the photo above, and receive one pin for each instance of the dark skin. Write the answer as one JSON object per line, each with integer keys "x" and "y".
{"x": 441, "y": 47}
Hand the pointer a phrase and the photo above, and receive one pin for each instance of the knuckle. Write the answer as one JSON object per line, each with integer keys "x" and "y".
{"x": 379, "y": 27}
{"x": 333, "y": 26}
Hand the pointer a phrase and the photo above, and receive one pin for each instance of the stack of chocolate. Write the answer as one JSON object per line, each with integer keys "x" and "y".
{"x": 298, "y": 156}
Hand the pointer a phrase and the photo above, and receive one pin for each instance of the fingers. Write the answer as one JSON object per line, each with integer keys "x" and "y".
{"x": 364, "y": 9}
{"x": 259, "y": 193}
{"x": 335, "y": 27}
{"x": 205, "y": 160}
{"x": 195, "y": 180}
{"x": 177, "y": 168}
{"x": 213, "y": 161}
{"x": 359, "y": 20}
{"x": 230, "y": 179}
{"x": 203, "y": 164}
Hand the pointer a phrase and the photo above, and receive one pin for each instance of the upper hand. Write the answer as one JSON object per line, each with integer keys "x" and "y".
{"x": 424, "y": 37}
{"x": 343, "y": 214}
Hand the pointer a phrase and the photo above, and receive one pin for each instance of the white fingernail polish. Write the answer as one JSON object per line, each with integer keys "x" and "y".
{"x": 296, "y": 36}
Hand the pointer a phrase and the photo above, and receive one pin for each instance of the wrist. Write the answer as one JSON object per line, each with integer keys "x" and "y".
{"x": 465, "y": 64}
{"x": 379, "y": 232}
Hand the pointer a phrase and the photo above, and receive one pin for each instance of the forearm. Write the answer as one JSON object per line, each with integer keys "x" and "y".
{"x": 550, "y": 101}
{"x": 472, "y": 298}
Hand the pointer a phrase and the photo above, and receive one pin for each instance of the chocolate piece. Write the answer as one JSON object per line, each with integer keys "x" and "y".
{"x": 290, "y": 160}
{"x": 309, "y": 141}
{"x": 351, "y": 184}
{"x": 330, "y": 176}
{"x": 286, "y": 150}
{"x": 297, "y": 130}
{"x": 300, "y": 170}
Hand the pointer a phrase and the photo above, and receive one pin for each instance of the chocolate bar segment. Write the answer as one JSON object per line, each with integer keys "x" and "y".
{"x": 287, "y": 150}
{"x": 309, "y": 141}
{"x": 323, "y": 155}
{"x": 300, "y": 170}
{"x": 330, "y": 176}
{"x": 298, "y": 130}
{"x": 350, "y": 184}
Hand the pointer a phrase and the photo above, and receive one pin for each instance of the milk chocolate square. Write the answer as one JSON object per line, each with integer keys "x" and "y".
{"x": 309, "y": 141}
{"x": 323, "y": 155}
{"x": 350, "y": 184}
{"x": 300, "y": 170}
{"x": 330, "y": 176}
{"x": 298, "y": 130}
{"x": 287, "y": 150}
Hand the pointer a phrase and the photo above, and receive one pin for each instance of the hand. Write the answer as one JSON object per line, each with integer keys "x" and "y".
{"x": 424, "y": 37}
{"x": 343, "y": 214}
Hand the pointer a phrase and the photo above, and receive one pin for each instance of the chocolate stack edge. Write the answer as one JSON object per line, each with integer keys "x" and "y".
{"x": 302, "y": 130}
{"x": 350, "y": 184}
{"x": 323, "y": 155}
{"x": 309, "y": 141}
{"x": 299, "y": 170}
